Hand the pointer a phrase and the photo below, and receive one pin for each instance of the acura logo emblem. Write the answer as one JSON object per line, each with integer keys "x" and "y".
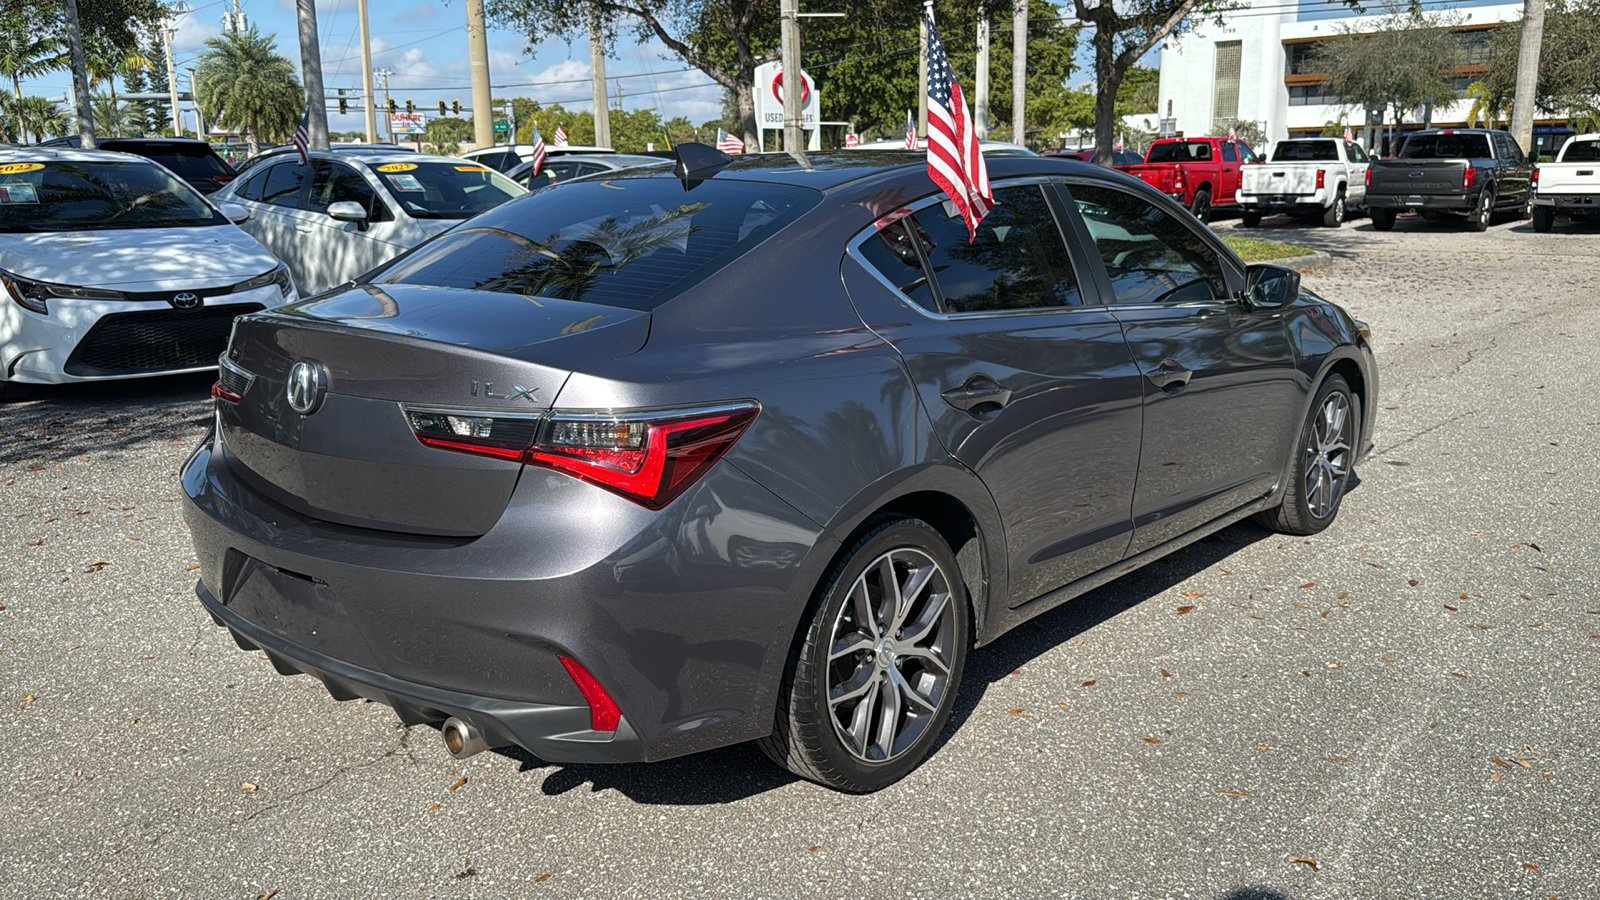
{"x": 308, "y": 381}
{"x": 186, "y": 300}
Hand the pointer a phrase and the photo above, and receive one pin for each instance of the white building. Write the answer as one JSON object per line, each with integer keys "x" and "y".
{"x": 1257, "y": 67}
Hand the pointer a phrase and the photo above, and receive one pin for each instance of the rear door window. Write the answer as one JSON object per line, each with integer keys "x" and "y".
{"x": 283, "y": 183}
{"x": 1017, "y": 260}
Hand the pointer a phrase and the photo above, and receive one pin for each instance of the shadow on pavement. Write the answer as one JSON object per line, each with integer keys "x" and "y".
{"x": 1253, "y": 893}
{"x": 58, "y": 422}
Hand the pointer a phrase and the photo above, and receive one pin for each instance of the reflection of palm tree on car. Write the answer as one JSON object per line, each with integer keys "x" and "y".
{"x": 568, "y": 267}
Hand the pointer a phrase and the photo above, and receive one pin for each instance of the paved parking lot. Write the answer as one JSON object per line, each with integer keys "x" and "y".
{"x": 1403, "y": 706}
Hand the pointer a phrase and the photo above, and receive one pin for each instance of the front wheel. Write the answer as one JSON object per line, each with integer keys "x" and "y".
{"x": 1382, "y": 219}
{"x": 1543, "y": 218}
{"x": 875, "y": 677}
{"x": 1323, "y": 463}
{"x": 1201, "y": 207}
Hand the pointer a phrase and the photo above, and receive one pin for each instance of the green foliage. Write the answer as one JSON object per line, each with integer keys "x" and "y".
{"x": 631, "y": 132}
{"x": 27, "y": 49}
{"x": 1408, "y": 59}
{"x": 1332, "y": 127}
{"x": 1569, "y": 62}
{"x": 445, "y": 135}
{"x": 244, "y": 84}
{"x": 38, "y": 116}
{"x": 1488, "y": 105}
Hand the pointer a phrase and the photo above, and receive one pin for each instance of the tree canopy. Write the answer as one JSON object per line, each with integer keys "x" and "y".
{"x": 1407, "y": 60}
{"x": 243, "y": 83}
{"x": 1569, "y": 63}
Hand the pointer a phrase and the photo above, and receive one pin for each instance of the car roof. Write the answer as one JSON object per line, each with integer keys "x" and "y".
{"x": 568, "y": 150}
{"x": 988, "y": 147}
{"x": 835, "y": 169}
{"x": 38, "y": 153}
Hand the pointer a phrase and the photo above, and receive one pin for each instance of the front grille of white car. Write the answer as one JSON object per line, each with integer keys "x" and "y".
{"x": 155, "y": 340}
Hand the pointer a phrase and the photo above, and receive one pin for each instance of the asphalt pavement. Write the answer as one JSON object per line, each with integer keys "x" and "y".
{"x": 1403, "y": 706}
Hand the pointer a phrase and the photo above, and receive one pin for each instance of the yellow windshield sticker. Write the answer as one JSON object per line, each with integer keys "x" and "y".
{"x": 471, "y": 169}
{"x": 14, "y": 168}
{"x": 397, "y": 167}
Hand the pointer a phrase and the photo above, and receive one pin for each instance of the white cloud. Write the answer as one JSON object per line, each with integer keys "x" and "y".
{"x": 191, "y": 35}
{"x": 420, "y": 13}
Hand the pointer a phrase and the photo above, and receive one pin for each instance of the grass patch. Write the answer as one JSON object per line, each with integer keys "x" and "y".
{"x": 1251, "y": 250}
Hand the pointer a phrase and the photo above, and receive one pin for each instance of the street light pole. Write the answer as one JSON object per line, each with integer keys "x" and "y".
{"x": 478, "y": 61}
{"x": 172, "y": 76}
{"x": 794, "y": 83}
{"x": 389, "y": 123}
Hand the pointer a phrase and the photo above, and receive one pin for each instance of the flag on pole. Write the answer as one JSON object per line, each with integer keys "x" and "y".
{"x": 1349, "y": 138}
{"x": 729, "y": 144}
{"x": 954, "y": 161}
{"x": 302, "y": 137}
{"x": 538, "y": 150}
{"x": 1117, "y": 147}
{"x": 1233, "y": 135}
{"x": 560, "y": 139}
{"x": 911, "y": 131}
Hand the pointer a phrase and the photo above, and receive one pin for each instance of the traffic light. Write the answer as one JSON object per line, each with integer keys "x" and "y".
{"x": 343, "y": 106}
{"x": 441, "y": 107}
{"x": 393, "y": 106}
{"x": 455, "y": 107}
{"x": 410, "y": 107}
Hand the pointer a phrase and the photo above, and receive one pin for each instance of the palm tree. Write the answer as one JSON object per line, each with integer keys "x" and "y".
{"x": 44, "y": 117}
{"x": 108, "y": 115}
{"x": 104, "y": 63}
{"x": 249, "y": 86}
{"x": 26, "y": 50}
{"x": 1487, "y": 105}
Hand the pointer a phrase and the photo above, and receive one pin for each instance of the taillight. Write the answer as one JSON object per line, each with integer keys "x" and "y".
{"x": 1369, "y": 178}
{"x": 1535, "y": 181}
{"x": 1177, "y": 180}
{"x": 222, "y": 179}
{"x": 649, "y": 456}
{"x": 1469, "y": 177}
{"x": 604, "y": 714}
{"x": 1321, "y": 174}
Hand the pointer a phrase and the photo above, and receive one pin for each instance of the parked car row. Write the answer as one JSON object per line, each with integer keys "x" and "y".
{"x": 1569, "y": 187}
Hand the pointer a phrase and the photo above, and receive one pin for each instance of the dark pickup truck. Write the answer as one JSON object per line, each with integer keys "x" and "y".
{"x": 1471, "y": 172}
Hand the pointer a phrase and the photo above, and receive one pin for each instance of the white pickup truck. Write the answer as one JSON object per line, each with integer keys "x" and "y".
{"x": 1570, "y": 186}
{"x": 1306, "y": 177}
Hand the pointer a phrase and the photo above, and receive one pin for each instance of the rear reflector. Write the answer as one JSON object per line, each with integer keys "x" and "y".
{"x": 647, "y": 456}
{"x": 604, "y": 714}
{"x": 221, "y": 392}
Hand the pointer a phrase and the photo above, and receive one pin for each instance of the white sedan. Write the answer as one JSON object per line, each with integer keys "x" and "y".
{"x": 113, "y": 267}
{"x": 346, "y": 214}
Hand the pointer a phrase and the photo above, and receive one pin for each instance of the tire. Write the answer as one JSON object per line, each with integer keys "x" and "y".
{"x": 1334, "y": 215}
{"x": 1479, "y": 218}
{"x": 1325, "y": 455}
{"x": 1382, "y": 219}
{"x": 1250, "y": 220}
{"x": 845, "y": 744}
{"x": 1201, "y": 207}
{"x": 1544, "y": 217}
{"x": 12, "y": 391}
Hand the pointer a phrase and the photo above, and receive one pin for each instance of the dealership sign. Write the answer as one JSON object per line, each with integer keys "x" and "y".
{"x": 769, "y": 88}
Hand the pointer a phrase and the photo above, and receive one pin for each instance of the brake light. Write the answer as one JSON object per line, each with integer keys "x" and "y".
{"x": 1469, "y": 177}
{"x": 1369, "y": 178}
{"x": 1177, "y": 180}
{"x": 1321, "y": 174}
{"x": 604, "y": 714}
{"x": 222, "y": 179}
{"x": 649, "y": 457}
{"x": 1535, "y": 181}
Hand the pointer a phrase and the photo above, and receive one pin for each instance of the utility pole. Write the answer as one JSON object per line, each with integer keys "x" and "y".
{"x": 922, "y": 70}
{"x": 794, "y": 84}
{"x": 235, "y": 22}
{"x": 980, "y": 103}
{"x": 389, "y": 123}
{"x": 478, "y": 60}
{"x": 167, "y": 32}
{"x": 1019, "y": 69}
{"x": 597, "y": 74}
{"x": 366, "y": 74}
{"x": 1527, "y": 74}
{"x": 80, "y": 80}
{"x": 311, "y": 73}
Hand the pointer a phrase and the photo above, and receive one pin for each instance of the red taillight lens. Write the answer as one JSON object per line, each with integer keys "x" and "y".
{"x": 1469, "y": 177}
{"x": 1321, "y": 174}
{"x": 1535, "y": 181}
{"x": 604, "y": 714}
{"x": 222, "y": 179}
{"x": 1369, "y": 178}
{"x": 648, "y": 457}
{"x": 221, "y": 392}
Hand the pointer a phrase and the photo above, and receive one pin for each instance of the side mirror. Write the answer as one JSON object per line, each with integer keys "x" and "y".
{"x": 236, "y": 214}
{"x": 1268, "y": 287}
{"x": 347, "y": 211}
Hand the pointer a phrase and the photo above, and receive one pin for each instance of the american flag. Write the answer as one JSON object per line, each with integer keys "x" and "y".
{"x": 302, "y": 137}
{"x": 911, "y": 129}
{"x": 729, "y": 144}
{"x": 1233, "y": 134}
{"x": 954, "y": 161}
{"x": 538, "y": 150}
{"x": 561, "y": 135}
{"x": 1348, "y": 137}
{"x": 1117, "y": 147}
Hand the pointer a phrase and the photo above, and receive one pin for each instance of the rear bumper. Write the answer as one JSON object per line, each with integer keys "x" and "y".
{"x": 1277, "y": 203}
{"x": 1570, "y": 203}
{"x": 1449, "y": 202}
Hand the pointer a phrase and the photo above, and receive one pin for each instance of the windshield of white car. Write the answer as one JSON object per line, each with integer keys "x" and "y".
{"x": 59, "y": 195}
{"x": 1305, "y": 151}
{"x": 445, "y": 190}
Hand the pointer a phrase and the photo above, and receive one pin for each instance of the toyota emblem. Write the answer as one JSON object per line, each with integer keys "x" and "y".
{"x": 308, "y": 381}
{"x": 186, "y": 300}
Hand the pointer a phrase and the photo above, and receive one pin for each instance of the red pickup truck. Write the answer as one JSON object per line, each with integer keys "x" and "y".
{"x": 1200, "y": 173}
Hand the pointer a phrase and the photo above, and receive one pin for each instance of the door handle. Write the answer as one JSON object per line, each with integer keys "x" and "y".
{"x": 979, "y": 390}
{"x": 1169, "y": 374}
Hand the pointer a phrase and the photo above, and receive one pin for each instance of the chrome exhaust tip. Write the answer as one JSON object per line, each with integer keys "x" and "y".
{"x": 461, "y": 739}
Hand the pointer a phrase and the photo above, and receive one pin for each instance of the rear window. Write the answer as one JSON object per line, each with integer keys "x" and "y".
{"x": 191, "y": 163}
{"x": 1305, "y": 151}
{"x": 628, "y": 242}
{"x": 1180, "y": 151}
{"x": 1582, "y": 151}
{"x": 1446, "y": 146}
{"x": 445, "y": 190}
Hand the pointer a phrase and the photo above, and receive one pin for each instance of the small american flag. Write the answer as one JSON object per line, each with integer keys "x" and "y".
{"x": 561, "y": 135}
{"x": 911, "y": 131}
{"x": 1117, "y": 147}
{"x": 302, "y": 137}
{"x": 729, "y": 144}
{"x": 1233, "y": 134}
{"x": 954, "y": 161}
{"x": 538, "y": 150}
{"x": 1349, "y": 138}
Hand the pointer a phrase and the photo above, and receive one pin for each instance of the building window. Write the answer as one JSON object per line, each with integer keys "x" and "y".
{"x": 1225, "y": 96}
{"x": 1314, "y": 95}
{"x": 1298, "y": 60}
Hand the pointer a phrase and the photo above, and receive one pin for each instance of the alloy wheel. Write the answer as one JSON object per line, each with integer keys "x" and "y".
{"x": 891, "y": 655}
{"x": 1327, "y": 454}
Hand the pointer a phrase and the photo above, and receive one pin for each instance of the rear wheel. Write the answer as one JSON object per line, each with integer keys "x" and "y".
{"x": 1323, "y": 463}
{"x": 1479, "y": 218}
{"x": 1250, "y": 220}
{"x": 1382, "y": 219}
{"x": 1201, "y": 207}
{"x": 875, "y": 677}
{"x": 1334, "y": 215}
{"x": 1543, "y": 218}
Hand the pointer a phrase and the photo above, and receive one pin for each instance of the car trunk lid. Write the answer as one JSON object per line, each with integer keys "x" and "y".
{"x": 353, "y": 458}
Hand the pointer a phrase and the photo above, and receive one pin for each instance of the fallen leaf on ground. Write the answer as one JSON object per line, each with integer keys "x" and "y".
{"x": 459, "y": 782}
{"x": 1344, "y": 595}
{"x": 1233, "y": 793}
{"x": 1413, "y": 582}
{"x": 1193, "y": 596}
{"x": 435, "y": 806}
{"x": 36, "y": 543}
{"x": 1451, "y": 608}
{"x": 246, "y": 786}
{"x": 97, "y": 566}
{"x": 1309, "y": 584}
{"x": 1496, "y": 777}
{"x": 1184, "y": 610}
{"x": 1335, "y": 665}
{"x": 1260, "y": 746}
{"x": 192, "y": 568}
{"x": 1180, "y": 693}
{"x": 1530, "y": 867}
{"x": 269, "y": 894}
{"x": 1458, "y": 674}
{"x": 544, "y": 877}
{"x": 1306, "y": 861}
{"x": 1088, "y": 683}
{"x": 1499, "y": 762}
{"x": 1523, "y": 763}
{"x": 814, "y": 849}
{"x": 1151, "y": 740}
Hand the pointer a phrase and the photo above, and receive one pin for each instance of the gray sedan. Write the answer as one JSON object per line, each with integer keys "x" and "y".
{"x": 345, "y": 214}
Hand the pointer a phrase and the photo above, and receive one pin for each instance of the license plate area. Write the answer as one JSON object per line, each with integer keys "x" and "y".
{"x": 298, "y": 608}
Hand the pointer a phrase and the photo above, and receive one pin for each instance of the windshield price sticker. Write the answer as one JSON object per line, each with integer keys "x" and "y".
{"x": 405, "y": 182}
{"x": 397, "y": 167}
{"x": 18, "y": 193}
{"x": 14, "y": 168}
